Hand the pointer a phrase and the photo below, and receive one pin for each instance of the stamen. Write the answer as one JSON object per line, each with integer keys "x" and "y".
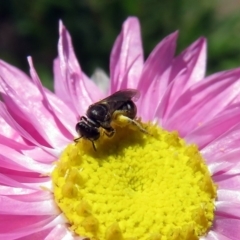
{"x": 135, "y": 186}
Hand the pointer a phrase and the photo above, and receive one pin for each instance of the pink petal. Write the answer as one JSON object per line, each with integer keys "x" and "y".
{"x": 14, "y": 207}
{"x": 201, "y": 102}
{"x": 195, "y": 57}
{"x": 81, "y": 90}
{"x": 228, "y": 227}
{"x": 16, "y": 126}
{"x": 34, "y": 152}
{"x": 187, "y": 69}
{"x": 126, "y": 60}
{"x": 37, "y": 235}
{"x": 210, "y": 131}
{"x": 28, "y": 180}
{"x": 35, "y": 118}
{"x": 12, "y": 143}
{"x": 27, "y": 229}
{"x": 228, "y": 182}
{"x": 227, "y": 209}
{"x": 11, "y": 223}
{"x": 5, "y": 180}
{"x": 230, "y": 157}
{"x": 60, "y": 113}
{"x": 20, "y": 82}
{"x": 155, "y": 76}
{"x": 39, "y": 155}
{"x": 228, "y": 143}
{"x": 27, "y": 195}
{"x": 12, "y": 159}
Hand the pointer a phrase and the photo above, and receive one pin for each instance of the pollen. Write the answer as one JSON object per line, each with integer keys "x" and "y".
{"x": 136, "y": 186}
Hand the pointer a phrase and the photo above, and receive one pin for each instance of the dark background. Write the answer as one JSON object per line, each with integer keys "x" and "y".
{"x": 31, "y": 28}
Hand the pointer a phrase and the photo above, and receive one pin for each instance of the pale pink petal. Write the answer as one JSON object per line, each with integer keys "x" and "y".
{"x": 82, "y": 90}
{"x": 62, "y": 233}
{"x": 126, "y": 60}
{"x": 60, "y": 87}
{"x": 230, "y": 157}
{"x": 34, "y": 152}
{"x": 219, "y": 167}
{"x": 8, "y": 132}
{"x": 27, "y": 195}
{"x": 187, "y": 69}
{"x": 12, "y": 159}
{"x": 227, "y": 209}
{"x": 212, "y": 235}
{"x": 19, "y": 81}
{"x": 155, "y": 76}
{"x": 228, "y": 195}
{"x": 204, "y": 100}
{"x": 10, "y": 190}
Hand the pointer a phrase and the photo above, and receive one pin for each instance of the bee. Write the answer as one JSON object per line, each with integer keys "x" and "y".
{"x": 117, "y": 107}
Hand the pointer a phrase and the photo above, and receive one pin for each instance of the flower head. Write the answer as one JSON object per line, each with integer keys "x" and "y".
{"x": 126, "y": 189}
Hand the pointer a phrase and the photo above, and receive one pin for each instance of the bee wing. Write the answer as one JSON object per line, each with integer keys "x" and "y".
{"x": 122, "y": 96}
{"x": 117, "y": 99}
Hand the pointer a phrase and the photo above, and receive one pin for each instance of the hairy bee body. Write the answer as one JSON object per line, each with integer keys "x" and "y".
{"x": 101, "y": 115}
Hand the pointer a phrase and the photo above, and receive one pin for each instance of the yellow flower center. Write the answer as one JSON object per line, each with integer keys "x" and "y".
{"x": 135, "y": 186}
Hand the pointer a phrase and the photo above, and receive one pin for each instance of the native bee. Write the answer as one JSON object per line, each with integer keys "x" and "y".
{"x": 118, "y": 106}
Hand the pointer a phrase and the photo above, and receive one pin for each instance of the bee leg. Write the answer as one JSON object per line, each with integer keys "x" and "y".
{"x": 77, "y": 139}
{"x": 94, "y": 147}
{"x": 124, "y": 120}
{"x": 109, "y": 131}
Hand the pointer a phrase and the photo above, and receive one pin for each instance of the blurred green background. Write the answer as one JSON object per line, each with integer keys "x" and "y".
{"x": 31, "y": 28}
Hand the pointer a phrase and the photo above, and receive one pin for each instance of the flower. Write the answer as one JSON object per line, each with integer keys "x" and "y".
{"x": 37, "y": 125}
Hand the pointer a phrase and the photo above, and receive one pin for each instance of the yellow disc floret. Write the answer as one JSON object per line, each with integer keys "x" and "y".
{"x": 135, "y": 186}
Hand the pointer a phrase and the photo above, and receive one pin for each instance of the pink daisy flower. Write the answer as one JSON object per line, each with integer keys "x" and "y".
{"x": 37, "y": 125}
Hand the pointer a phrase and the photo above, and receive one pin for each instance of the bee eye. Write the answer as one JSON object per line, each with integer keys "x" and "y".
{"x": 77, "y": 126}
